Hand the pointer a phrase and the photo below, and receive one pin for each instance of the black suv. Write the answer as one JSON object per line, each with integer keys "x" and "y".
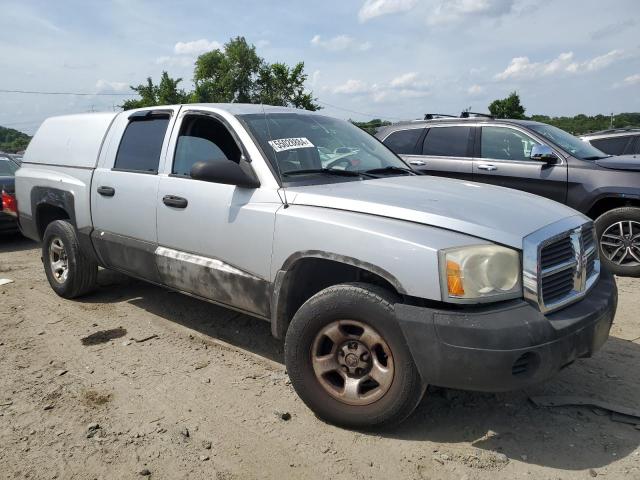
{"x": 537, "y": 158}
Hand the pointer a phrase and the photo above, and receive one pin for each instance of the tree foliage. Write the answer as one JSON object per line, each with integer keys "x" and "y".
{"x": 13, "y": 141}
{"x": 165, "y": 93}
{"x": 235, "y": 73}
{"x": 508, "y": 107}
{"x": 372, "y": 125}
{"x": 581, "y": 124}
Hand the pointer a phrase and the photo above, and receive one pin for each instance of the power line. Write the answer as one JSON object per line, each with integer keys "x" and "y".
{"x": 81, "y": 94}
{"x": 358, "y": 113}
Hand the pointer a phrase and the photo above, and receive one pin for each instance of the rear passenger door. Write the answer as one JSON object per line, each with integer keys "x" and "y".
{"x": 124, "y": 191}
{"x": 445, "y": 151}
{"x": 503, "y": 158}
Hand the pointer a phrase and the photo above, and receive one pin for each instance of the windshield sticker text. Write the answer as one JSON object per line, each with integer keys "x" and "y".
{"x": 282, "y": 144}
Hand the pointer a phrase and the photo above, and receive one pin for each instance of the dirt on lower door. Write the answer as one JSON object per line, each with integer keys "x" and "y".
{"x": 134, "y": 381}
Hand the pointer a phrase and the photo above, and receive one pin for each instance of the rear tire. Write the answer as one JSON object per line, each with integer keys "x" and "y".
{"x": 69, "y": 271}
{"x": 618, "y": 233}
{"x": 358, "y": 320}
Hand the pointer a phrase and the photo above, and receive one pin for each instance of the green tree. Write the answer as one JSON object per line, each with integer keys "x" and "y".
{"x": 509, "y": 107}
{"x": 277, "y": 84}
{"x": 165, "y": 93}
{"x": 13, "y": 141}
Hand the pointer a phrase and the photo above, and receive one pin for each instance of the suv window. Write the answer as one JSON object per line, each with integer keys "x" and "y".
{"x": 613, "y": 145}
{"x": 403, "y": 142}
{"x": 203, "y": 139}
{"x": 503, "y": 143}
{"x": 447, "y": 141}
{"x": 141, "y": 144}
{"x": 7, "y": 167}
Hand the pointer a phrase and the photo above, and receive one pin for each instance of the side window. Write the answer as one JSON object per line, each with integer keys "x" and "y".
{"x": 141, "y": 144}
{"x": 203, "y": 139}
{"x": 447, "y": 141}
{"x": 503, "y": 143}
{"x": 636, "y": 147}
{"x": 612, "y": 146}
{"x": 403, "y": 142}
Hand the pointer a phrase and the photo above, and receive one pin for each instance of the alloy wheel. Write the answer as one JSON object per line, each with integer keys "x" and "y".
{"x": 620, "y": 243}
{"x": 58, "y": 260}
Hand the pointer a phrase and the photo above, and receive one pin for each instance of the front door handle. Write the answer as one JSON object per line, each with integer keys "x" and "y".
{"x": 487, "y": 166}
{"x": 417, "y": 163}
{"x": 107, "y": 191}
{"x": 175, "y": 202}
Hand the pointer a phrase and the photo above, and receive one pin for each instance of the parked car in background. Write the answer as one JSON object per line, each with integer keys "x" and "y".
{"x": 8, "y": 208}
{"x": 537, "y": 158}
{"x": 617, "y": 141}
{"x": 381, "y": 281}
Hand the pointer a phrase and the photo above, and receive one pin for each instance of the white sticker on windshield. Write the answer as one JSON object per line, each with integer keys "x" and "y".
{"x": 282, "y": 144}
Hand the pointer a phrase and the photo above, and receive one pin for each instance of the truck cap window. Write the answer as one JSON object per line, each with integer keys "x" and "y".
{"x": 504, "y": 143}
{"x": 403, "y": 142}
{"x": 203, "y": 139}
{"x": 447, "y": 142}
{"x": 324, "y": 144}
{"x": 141, "y": 144}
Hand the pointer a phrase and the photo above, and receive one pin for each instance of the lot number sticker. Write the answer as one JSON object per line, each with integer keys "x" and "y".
{"x": 282, "y": 144}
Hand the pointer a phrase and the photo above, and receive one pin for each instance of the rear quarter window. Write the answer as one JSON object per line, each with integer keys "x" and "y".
{"x": 403, "y": 142}
{"x": 447, "y": 142}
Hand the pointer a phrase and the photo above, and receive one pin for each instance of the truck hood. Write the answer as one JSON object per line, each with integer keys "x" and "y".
{"x": 497, "y": 214}
{"x": 620, "y": 162}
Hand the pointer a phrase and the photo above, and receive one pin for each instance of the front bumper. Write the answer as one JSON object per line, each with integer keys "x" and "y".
{"x": 509, "y": 346}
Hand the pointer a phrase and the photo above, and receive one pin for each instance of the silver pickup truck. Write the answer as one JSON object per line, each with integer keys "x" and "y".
{"x": 380, "y": 280}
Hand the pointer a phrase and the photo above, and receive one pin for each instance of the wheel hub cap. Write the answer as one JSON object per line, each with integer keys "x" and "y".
{"x": 58, "y": 260}
{"x": 352, "y": 362}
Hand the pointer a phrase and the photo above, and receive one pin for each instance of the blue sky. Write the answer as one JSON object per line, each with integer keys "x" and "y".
{"x": 394, "y": 59}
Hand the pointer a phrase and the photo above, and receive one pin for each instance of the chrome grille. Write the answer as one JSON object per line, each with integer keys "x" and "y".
{"x": 561, "y": 264}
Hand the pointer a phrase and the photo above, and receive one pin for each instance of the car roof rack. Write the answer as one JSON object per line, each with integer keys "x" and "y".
{"x": 467, "y": 114}
{"x": 431, "y": 116}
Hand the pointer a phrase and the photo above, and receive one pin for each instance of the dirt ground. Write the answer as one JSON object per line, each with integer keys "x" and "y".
{"x": 86, "y": 393}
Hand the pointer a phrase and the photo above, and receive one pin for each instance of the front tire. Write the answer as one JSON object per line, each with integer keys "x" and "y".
{"x": 618, "y": 233}
{"x": 348, "y": 359}
{"x": 69, "y": 271}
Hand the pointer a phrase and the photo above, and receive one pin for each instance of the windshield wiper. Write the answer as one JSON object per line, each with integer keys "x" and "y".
{"x": 390, "y": 169}
{"x": 596, "y": 157}
{"x": 329, "y": 171}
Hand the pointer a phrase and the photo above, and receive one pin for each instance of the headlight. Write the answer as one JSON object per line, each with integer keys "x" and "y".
{"x": 480, "y": 273}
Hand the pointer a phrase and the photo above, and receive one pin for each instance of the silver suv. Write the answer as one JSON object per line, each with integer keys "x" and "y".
{"x": 380, "y": 280}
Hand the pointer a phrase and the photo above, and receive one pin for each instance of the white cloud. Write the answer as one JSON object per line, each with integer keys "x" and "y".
{"x": 195, "y": 47}
{"x": 103, "y": 86}
{"x": 376, "y": 8}
{"x": 263, "y": 43}
{"x": 352, "y": 87}
{"x": 315, "y": 77}
{"x": 408, "y": 85}
{"x": 339, "y": 42}
{"x": 451, "y": 11}
{"x": 522, "y": 67}
{"x": 475, "y": 90}
{"x": 408, "y": 81}
{"x": 632, "y": 79}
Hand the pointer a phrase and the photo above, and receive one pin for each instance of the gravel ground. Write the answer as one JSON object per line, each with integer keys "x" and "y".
{"x": 134, "y": 381}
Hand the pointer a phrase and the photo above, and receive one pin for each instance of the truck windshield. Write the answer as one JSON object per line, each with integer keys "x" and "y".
{"x": 568, "y": 142}
{"x": 301, "y": 146}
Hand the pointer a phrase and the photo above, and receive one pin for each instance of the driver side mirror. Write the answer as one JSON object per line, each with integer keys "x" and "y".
{"x": 226, "y": 172}
{"x": 543, "y": 153}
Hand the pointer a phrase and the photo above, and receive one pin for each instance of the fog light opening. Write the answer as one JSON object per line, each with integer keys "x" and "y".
{"x": 525, "y": 365}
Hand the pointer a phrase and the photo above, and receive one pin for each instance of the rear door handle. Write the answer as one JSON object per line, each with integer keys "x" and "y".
{"x": 107, "y": 191}
{"x": 487, "y": 166}
{"x": 175, "y": 202}
{"x": 417, "y": 163}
